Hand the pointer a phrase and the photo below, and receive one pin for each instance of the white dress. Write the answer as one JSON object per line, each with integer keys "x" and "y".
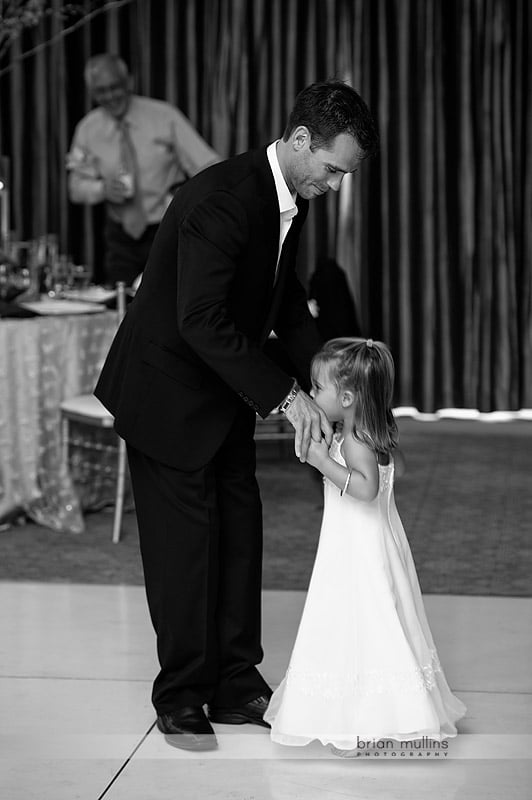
{"x": 364, "y": 664}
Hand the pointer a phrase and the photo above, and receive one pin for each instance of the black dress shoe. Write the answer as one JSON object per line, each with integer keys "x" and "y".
{"x": 252, "y": 712}
{"x": 187, "y": 728}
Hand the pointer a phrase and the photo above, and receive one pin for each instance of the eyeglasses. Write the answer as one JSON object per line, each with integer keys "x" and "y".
{"x": 102, "y": 90}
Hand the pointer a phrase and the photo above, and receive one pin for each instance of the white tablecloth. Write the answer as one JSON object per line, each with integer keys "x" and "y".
{"x": 42, "y": 361}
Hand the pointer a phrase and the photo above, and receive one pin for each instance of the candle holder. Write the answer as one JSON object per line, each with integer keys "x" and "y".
{"x": 4, "y": 203}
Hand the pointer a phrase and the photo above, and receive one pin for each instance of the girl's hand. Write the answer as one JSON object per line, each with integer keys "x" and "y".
{"x": 318, "y": 452}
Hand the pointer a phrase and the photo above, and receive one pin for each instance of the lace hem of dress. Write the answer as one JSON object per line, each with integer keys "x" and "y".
{"x": 338, "y": 685}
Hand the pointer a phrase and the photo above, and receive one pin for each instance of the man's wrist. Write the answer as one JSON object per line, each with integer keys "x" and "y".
{"x": 290, "y": 397}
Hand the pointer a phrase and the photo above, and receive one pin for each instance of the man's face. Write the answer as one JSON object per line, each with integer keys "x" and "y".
{"x": 312, "y": 173}
{"x": 110, "y": 90}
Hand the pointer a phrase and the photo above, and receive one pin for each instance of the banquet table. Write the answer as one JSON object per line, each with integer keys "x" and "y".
{"x": 43, "y": 360}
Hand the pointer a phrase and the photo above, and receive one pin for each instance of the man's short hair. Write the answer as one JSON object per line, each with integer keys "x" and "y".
{"x": 105, "y": 61}
{"x": 329, "y": 108}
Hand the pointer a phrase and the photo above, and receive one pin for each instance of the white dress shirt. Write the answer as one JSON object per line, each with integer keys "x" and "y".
{"x": 287, "y": 200}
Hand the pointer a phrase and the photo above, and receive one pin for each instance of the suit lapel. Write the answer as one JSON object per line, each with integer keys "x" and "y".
{"x": 289, "y": 249}
{"x": 286, "y": 262}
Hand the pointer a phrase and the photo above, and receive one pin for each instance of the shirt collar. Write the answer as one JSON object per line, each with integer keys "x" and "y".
{"x": 285, "y": 198}
{"x": 129, "y": 118}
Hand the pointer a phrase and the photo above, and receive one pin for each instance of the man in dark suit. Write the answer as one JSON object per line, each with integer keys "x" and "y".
{"x": 186, "y": 376}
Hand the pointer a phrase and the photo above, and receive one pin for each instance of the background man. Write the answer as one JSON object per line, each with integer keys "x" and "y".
{"x": 130, "y": 152}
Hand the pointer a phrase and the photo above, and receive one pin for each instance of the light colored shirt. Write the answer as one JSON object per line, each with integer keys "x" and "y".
{"x": 168, "y": 148}
{"x": 287, "y": 200}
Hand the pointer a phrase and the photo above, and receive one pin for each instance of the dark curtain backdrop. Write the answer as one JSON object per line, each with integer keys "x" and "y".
{"x": 435, "y": 234}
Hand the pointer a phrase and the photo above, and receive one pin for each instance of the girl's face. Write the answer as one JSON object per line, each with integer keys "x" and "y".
{"x": 326, "y": 394}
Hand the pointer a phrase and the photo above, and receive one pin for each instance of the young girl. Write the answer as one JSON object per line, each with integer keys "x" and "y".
{"x": 364, "y": 665}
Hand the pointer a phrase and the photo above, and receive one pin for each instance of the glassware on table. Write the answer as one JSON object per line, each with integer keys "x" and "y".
{"x": 31, "y": 268}
{"x": 45, "y": 257}
{"x": 14, "y": 280}
{"x": 21, "y": 276}
{"x": 48, "y": 249}
{"x": 57, "y": 280}
{"x": 79, "y": 277}
{"x": 21, "y": 286}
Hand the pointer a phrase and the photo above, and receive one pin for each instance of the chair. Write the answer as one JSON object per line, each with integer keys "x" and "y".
{"x": 87, "y": 410}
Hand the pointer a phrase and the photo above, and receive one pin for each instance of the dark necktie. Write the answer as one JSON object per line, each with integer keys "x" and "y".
{"x": 133, "y": 217}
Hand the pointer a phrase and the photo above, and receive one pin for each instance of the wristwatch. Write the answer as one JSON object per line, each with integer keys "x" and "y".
{"x": 290, "y": 397}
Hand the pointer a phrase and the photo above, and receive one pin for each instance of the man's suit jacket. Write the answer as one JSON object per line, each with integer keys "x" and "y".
{"x": 189, "y": 350}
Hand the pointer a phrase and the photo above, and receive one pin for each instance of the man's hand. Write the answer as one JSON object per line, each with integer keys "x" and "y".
{"x": 309, "y": 421}
{"x": 115, "y": 190}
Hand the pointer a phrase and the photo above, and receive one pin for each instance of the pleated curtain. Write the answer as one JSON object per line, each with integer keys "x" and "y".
{"x": 434, "y": 234}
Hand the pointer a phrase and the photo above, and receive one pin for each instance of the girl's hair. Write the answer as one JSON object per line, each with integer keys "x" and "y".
{"x": 365, "y": 368}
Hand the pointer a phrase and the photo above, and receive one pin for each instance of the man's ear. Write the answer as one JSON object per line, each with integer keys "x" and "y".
{"x": 347, "y": 398}
{"x": 301, "y": 137}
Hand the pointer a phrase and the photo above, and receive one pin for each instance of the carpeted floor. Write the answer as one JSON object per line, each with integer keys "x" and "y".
{"x": 466, "y": 504}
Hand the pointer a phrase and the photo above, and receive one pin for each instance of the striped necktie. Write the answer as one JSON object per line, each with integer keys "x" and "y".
{"x": 132, "y": 213}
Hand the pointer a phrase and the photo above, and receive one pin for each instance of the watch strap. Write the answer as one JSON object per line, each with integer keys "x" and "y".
{"x": 290, "y": 397}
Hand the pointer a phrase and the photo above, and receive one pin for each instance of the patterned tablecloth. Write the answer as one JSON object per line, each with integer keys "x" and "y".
{"x": 43, "y": 360}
